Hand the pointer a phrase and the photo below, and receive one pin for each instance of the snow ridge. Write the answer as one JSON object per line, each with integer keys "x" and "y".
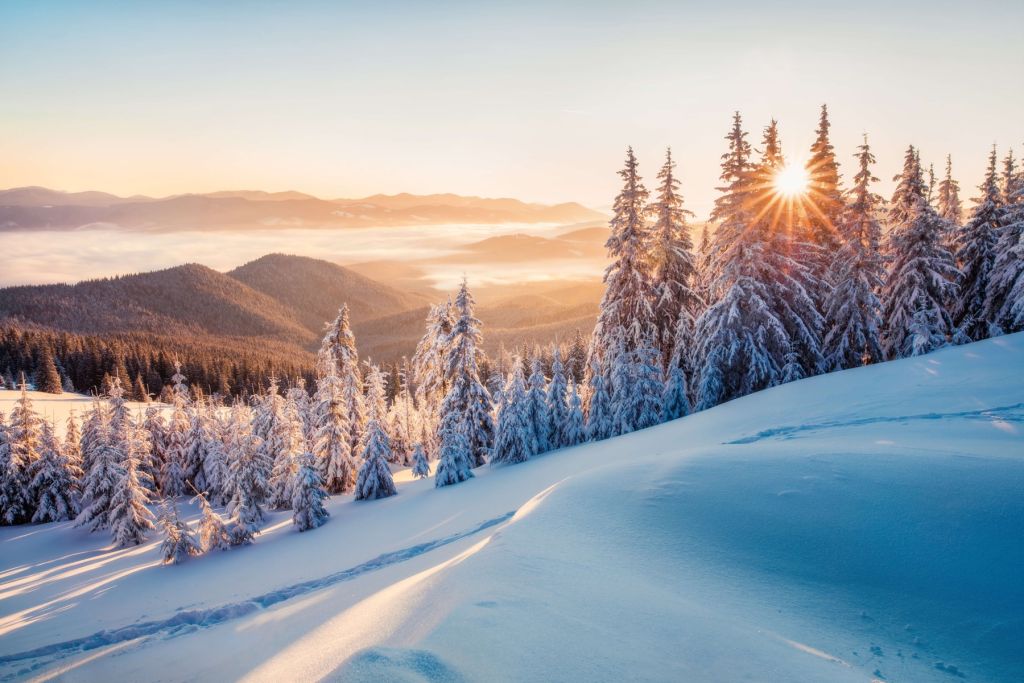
{"x": 189, "y": 621}
{"x": 1003, "y": 413}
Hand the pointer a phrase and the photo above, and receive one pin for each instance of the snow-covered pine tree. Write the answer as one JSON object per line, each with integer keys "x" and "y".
{"x": 791, "y": 267}
{"x": 308, "y": 495}
{"x": 129, "y": 517}
{"x": 557, "y": 402}
{"x": 672, "y": 264}
{"x": 101, "y": 480}
{"x": 537, "y": 405}
{"x": 290, "y": 444}
{"x": 304, "y": 404}
{"x": 197, "y": 443}
{"x": 1004, "y": 303}
{"x": 331, "y": 446}
{"x": 853, "y": 310}
{"x": 600, "y": 415}
{"x": 156, "y": 434}
{"x": 467, "y": 403}
{"x": 515, "y": 440}
{"x": 921, "y": 274}
{"x": 213, "y": 533}
{"x": 248, "y": 479}
{"x": 54, "y": 481}
{"x": 428, "y": 364}
{"x": 13, "y": 494}
{"x": 824, "y": 190}
{"x": 576, "y": 359}
{"x": 420, "y": 467}
{"x": 172, "y": 472}
{"x": 573, "y": 430}
{"x": 72, "y": 445}
{"x": 647, "y": 389}
{"x": 453, "y": 465}
{"x": 374, "y": 479}
{"x": 179, "y": 542}
{"x": 950, "y": 207}
{"x": 339, "y": 348}
{"x": 25, "y": 442}
{"x": 402, "y": 420}
{"x": 620, "y": 368}
{"x": 675, "y": 402}
{"x": 975, "y": 250}
{"x": 628, "y": 296}
{"x": 741, "y": 342}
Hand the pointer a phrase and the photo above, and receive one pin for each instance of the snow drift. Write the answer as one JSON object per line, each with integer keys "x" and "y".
{"x": 862, "y": 525}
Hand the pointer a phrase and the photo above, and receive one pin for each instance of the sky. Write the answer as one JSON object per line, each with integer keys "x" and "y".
{"x": 534, "y": 100}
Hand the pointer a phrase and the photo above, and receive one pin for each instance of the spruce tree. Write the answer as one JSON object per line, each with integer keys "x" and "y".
{"x": 1004, "y": 301}
{"x": 515, "y": 441}
{"x": 599, "y": 408}
{"x": 374, "y": 479}
{"x": 672, "y": 264}
{"x": 179, "y": 542}
{"x": 25, "y": 442}
{"x": 213, "y": 533}
{"x": 853, "y": 310}
{"x": 467, "y": 403}
{"x": 331, "y": 447}
{"x": 308, "y": 495}
{"x": 921, "y": 275}
{"x": 950, "y": 207}
{"x": 557, "y": 403}
{"x": 14, "y": 504}
{"x": 248, "y": 478}
{"x": 742, "y": 344}
{"x": 130, "y": 519}
{"x": 54, "y": 481}
{"x": 288, "y": 446}
{"x": 537, "y": 405}
{"x": 573, "y": 430}
{"x": 822, "y": 211}
{"x": 47, "y": 377}
{"x": 172, "y": 472}
{"x": 420, "y": 467}
{"x": 453, "y": 465}
{"x": 975, "y": 249}
{"x": 339, "y": 349}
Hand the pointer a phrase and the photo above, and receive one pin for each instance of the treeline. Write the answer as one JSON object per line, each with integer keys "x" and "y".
{"x": 142, "y": 362}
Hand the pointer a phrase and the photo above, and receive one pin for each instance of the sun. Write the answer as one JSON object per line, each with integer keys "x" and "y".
{"x": 792, "y": 180}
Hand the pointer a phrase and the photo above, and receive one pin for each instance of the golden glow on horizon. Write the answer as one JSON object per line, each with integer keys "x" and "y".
{"x": 792, "y": 181}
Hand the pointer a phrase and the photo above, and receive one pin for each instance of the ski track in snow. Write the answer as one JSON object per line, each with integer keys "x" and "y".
{"x": 188, "y": 621}
{"x": 1005, "y": 414}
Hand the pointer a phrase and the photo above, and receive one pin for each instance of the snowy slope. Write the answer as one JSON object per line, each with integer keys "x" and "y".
{"x": 863, "y": 525}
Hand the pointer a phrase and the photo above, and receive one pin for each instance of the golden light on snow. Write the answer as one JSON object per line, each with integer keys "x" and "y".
{"x": 792, "y": 180}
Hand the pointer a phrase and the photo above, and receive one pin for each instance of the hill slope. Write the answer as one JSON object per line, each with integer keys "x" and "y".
{"x": 864, "y": 525}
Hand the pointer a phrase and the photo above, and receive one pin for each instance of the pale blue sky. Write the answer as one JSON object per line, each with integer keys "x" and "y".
{"x": 535, "y": 100}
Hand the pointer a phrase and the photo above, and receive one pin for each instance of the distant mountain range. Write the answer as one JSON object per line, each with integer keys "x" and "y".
{"x": 38, "y": 208}
{"x": 284, "y": 300}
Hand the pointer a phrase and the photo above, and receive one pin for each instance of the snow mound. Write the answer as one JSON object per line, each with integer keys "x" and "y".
{"x": 865, "y": 525}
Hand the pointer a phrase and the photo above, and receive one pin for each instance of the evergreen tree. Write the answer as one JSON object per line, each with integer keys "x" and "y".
{"x": 628, "y": 294}
{"x": 102, "y": 477}
{"x": 557, "y": 403}
{"x": 645, "y": 397}
{"x": 25, "y": 443}
{"x": 599, "y": 410}
{"x": 921, "y": 274}
{"x": 179, "y": 542}
{"x": 821, "y": 213}
{"x": 139, "y": 392}
{"x": 674, "y": 402}
{"x": 515, "y": 440}
{"x": 537, "y": 406}
{"x": 853, "y": 319}
{"x": 673, "y": 267}
{"x": 576, "y": 361}
{"x": 130, "y": 519}
{"x": 14, "y": 502}
{"x": 573, "y": 430}
{"x": 467, "y": 403}
{"x": 949, "y": 206}
{"x": 742, "y": 344}
{"x": 420, "y": 467}
{"x": 1004, "y": 301}
{"x": 47, "y": 377}
{"x": 308, "y": 495}
{"x": 72, "y": 448}
{"x": 453, "y": 465}
{"x": 290, "y": 445}
{"x": 172, "y": 472}
{"x": 331, "y": 447}
{"x": 54, "y": 481}
{"x": 375, "y": 480}
{"x": 156, "y": 434}
{"x": 339, "y": 349}
{"x": 213, "y": 533}
{"x": 975, "y": 245}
